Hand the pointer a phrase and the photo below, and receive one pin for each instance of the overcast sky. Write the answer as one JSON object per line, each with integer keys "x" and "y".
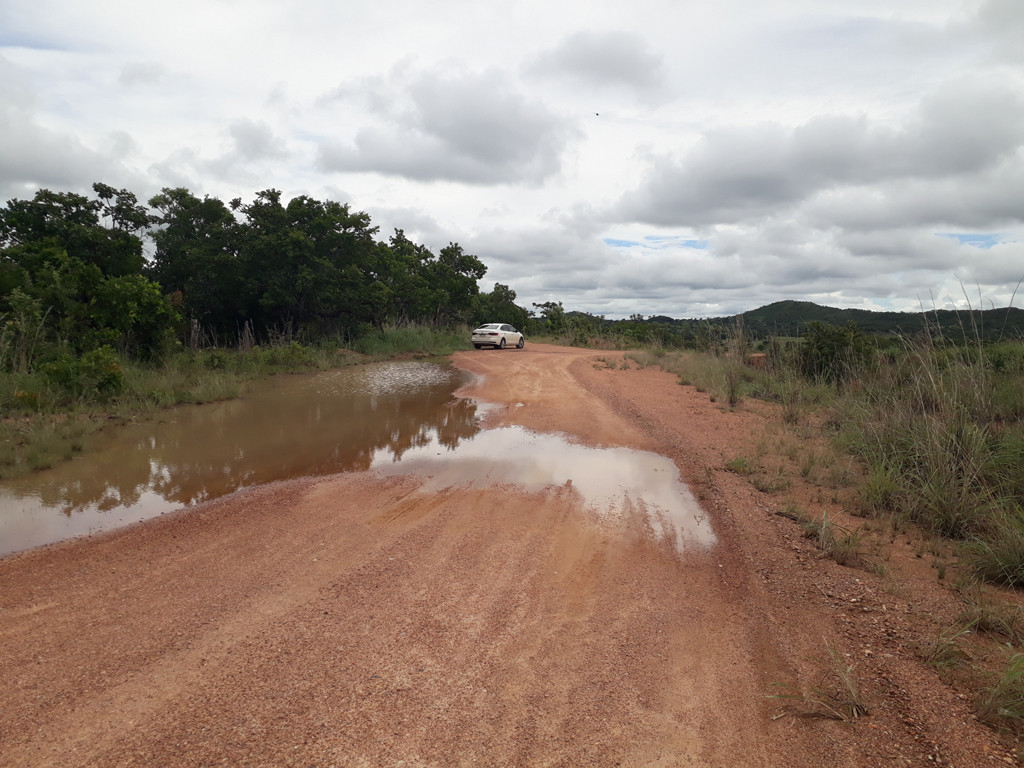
{"x": 674, "y": 157}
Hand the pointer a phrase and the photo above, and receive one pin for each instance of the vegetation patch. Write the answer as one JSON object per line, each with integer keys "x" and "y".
{"x": 836, "y": 695}
{"x": 1002, "y": 703}
{"x": 94, "y": 325}
{"x": 927, "y": 428}
{"x": 740, "y": 465}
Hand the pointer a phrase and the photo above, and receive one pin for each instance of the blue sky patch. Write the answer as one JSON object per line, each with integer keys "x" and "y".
{"x": 977, "y": 241}
{"x": 658, "y": 242}
{"x": 665, "y": 240}
{"x": 27, "y": 41}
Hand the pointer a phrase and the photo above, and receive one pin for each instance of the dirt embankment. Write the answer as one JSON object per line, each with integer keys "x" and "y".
{"x": 360, "y": 621}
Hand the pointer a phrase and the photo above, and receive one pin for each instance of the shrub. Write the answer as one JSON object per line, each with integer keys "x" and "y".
{"x": 830, "y": 353}
{"x": 215, "y": 359}
{"x": 96, "y": 375}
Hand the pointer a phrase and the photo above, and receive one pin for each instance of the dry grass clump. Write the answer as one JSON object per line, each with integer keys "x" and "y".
{"x": 1002, "y": 703}
{"x": 945, "y": 650}
{"x": 836, "y": 695}
{"x": 835, "y": 542}
{"x": 985, "y": 613}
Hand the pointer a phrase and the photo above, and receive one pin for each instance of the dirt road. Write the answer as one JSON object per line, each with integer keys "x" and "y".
{"x": 360, "y": 620}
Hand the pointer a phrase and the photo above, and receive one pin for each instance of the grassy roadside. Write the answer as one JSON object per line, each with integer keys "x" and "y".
{"x": 922, "y": 441}
{"x": 49, "y": 413}
{"x": 937, "y": 434}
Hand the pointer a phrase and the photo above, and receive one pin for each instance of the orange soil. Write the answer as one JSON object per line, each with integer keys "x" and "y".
{"x": 358, "y": 621}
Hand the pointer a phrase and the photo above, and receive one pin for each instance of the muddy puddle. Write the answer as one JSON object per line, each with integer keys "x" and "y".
{"x": 613, "y": 483}
{"x": 390, "y": 417}
{"x": 285, "y": 427}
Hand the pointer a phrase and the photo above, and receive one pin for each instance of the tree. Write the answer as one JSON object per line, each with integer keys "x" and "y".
{"x": 196, "y": 258}
{"x": 399, "y": 276}
{"x": 77, "y": 259}
{"x": 334, "y": 256}
{"x": 454, "y": 277}
{"x": 553, "y": 315}
{"x": 499, "y": 306}
{"x": 72, "y": 222}
{"x": 305, "y": 267}
{"x": 131, "y": 314}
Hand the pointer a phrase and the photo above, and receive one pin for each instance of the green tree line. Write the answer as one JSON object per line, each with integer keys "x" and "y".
{"x": 105, "y": 275}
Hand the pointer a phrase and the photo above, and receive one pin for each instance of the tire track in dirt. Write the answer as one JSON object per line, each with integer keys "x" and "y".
{"x": 727, "y": 711}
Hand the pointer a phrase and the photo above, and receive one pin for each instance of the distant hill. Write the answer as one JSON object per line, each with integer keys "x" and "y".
{"x": 791, "y": 318}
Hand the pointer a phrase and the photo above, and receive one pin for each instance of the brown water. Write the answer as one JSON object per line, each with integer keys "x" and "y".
{"x": 287, "y": 426}
{"x": 390, "y": 418}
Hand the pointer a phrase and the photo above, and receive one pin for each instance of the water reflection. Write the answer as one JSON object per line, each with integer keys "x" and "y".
{"x": 614, "y": 483}
{"x": 288, "y": 427}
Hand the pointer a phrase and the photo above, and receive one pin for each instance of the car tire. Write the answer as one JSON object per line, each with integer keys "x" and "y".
{"x": 522, "y": 342}
{"x": 477, "y": 346}
{"x": 501, "y": 344}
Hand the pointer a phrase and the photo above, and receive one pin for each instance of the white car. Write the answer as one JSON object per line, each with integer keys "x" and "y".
{"x": 498, "y": 335}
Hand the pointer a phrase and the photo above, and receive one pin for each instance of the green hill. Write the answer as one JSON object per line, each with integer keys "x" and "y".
{"x": 791, "y": 318}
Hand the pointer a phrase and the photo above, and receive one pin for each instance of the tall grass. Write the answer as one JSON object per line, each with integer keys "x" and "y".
{"x": 412, "y": 339}
{"x": 940, "y": 433}
{"x": 726, "y": 376}
{"x": 938, "y": 428}
{"x": 1002, "y": 704}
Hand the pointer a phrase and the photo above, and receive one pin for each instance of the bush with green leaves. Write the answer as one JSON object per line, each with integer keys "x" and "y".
{"x": 831, "y": 353}
{"x": 96, "y": 375}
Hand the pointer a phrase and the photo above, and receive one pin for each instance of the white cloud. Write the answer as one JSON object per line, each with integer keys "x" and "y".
{"x": 141, "y": 73}
{"x": 603, "y": 60}
{"x": 819, "y": 148}
{"x": 254, "y": 140}
{"x": 34, "y": 156}
{"x": 745, "y": 172}
{"x": 999, "y": 25}
{"x": 459, "y": 126}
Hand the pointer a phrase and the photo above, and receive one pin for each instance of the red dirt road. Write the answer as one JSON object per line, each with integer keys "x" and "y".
{"x": 358, "y": 620}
